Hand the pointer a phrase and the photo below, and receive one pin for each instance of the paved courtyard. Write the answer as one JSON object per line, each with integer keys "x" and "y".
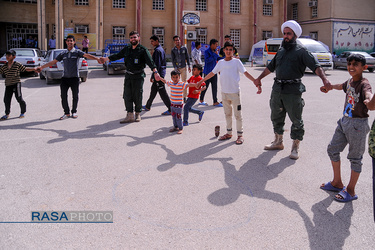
{"x": 170, "y": 191}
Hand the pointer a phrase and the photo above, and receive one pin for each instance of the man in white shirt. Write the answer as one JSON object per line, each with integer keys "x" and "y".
{"x": 196, "y": 54}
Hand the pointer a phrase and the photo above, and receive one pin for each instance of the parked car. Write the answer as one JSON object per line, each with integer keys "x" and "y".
{"x": 56, "y": 71}
{"x": 340, "y": 60}
{"x": 28, "y": 57}
{"x": 372, "y": 54}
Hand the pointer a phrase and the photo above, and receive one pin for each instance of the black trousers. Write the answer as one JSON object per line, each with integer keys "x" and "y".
{"x": 9, "y": 90}
{"x": 213, "y": 81}
{"x": 73, "y": 84}
{"x": 159, "y": 86}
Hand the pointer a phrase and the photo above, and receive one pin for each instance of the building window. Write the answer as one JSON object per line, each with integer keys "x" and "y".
{"x": 236, "y": 37}
{"x": 159, "y": 32}
{"x": 158, "y": 4}
{"x": 81, "y": 2}
{"x": 22, "y": 1}
{"x": 16, "y": 34}
{"x": 201, "y": 35}
{"x": 201, "y": 5}
{"x": 234, "y": 6}
{"x": 314, "y": 11}
{"x": 267, "y": 10}
{"x": 118, "y": 4}
{"x": 295, "y": 11}
{"x": 266, "y": 34}
{"x": 53, "y": 2}
{"x": 314, "y": 35}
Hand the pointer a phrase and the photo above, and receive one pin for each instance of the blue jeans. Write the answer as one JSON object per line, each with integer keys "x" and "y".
{"x": 188, "y": 107}
{"x": 176, "y": 115}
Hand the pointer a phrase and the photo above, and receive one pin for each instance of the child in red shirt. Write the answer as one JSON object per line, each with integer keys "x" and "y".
{"x": 193, "y": 95}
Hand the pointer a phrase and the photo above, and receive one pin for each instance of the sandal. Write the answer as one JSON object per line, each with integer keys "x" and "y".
{"x": 173, "y": 130}
{"x": 217, "y": 131}
{"x": 225, "y": 137}
{"x": 179, "y": 131}
{"x": 21, "y": 115}
{"x": 64, "y": 117}
{"x": 4, "y": 117}
{"x": 239, "y": 140}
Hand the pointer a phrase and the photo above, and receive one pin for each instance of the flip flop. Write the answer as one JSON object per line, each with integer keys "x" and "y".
{"x": 328, "y": 187}
{"x": 217, "y": 131}
{"x": 346, "y": 197}
{"x": 239, "y": 140}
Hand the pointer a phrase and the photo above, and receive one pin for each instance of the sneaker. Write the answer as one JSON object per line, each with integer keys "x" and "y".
{"x": 64, "y": 117}
{"x": 203, "y": 103}
{"x": 218, "y": 104}
{"x": 166, "y": 113}
{"x": 201, "y": 116}
{"x": 185, "y": 124}
{"x": 144, "y": 108}
{"x": 4, "y": 117}
{"x": 74, "y": 115}
{"x": 21, "y": 115}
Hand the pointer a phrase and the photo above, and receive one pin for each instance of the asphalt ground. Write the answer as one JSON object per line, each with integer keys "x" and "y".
{"x": 170, "y": 191}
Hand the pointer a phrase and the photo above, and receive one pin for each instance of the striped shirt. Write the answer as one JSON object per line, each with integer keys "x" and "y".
{"x": 12, "y": 75}
{"x": 177, "y": 91}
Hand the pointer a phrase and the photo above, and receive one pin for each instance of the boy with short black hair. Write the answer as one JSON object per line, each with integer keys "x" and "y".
{"x": 194, "y": 94}
{"x": 352, "y": 129}
{"x": 177, "y": 99}
{"x": 12, "y": 71}
{"x": 230, "y": 69}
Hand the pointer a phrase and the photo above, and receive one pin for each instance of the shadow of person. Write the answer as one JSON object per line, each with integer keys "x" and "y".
{"x": 330, "y": 229}
{"x": 251, "y": 180}
{"x": 93, "y": 131}
{"x": 197, "y": 155}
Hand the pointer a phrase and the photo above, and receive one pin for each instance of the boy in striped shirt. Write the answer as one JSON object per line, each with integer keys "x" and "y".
{"x": 12, "y": 71}
{"x": 177, "y": 100}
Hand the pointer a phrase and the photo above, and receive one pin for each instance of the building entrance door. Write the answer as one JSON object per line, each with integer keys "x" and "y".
{"x": 18, "y": 33}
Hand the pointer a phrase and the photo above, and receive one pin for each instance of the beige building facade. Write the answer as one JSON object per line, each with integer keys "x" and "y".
{"x": 340, "y": 24}
{"x": 247, "y": 21}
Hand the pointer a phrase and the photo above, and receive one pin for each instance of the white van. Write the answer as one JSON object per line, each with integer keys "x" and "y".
{"x": 315, "y": 48}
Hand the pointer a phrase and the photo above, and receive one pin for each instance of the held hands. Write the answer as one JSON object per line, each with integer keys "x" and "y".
{"x": 324, "y": 89}
{"x": 38, "y": 69}
{"x": 102, "y": 60}
{"x": 258, "y": 84}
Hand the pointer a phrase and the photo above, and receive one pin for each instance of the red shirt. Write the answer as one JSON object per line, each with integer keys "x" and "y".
{"x": 194, "y": 79}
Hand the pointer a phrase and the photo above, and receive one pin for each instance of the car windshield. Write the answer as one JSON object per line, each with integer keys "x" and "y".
{"x": 316, "y": 48}
{"x": 56, "y": 53}
{"x": 24, "y": 52}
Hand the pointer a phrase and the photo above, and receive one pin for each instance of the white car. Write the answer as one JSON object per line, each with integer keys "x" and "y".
{"x": 56, "y": 71}
{"x": 28, "y": 57}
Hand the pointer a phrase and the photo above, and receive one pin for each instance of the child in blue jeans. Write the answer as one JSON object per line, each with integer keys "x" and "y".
{"x": 177, "y": 100}
{"x": 193, "y": 95}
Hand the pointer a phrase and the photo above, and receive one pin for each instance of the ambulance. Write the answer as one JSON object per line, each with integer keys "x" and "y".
{"x": 315, "y": 48}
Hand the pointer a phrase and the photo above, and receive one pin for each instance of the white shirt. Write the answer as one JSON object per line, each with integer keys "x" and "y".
{"x": 229, "y": 74}
{"x": 196, "y": 55}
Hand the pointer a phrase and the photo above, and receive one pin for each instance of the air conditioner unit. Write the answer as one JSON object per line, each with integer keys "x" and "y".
{"x": 314, "y": 36}
{"x": 119, "y": 31}
{"x": 313, "y": 3}
{"x": 81, "y": 29}
{"x": 202, "y": 32}
{"x": 159, "y": 32}
{"x": 267, "y": 1}
{"x": 191, "y": 35}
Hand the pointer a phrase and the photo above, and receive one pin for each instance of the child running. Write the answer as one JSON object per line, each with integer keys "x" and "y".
{"x": 12, "y": 71}
{"x": 230, "y": 69}
{"x": 177, "y": 88}
{"x": 352, "y": 129}
{"x": 193, "y": 95}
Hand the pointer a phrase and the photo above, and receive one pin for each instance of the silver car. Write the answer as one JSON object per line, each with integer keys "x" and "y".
{"x": 28, "y": 57}
{"x": 56, "y": 71}
{"x": 340, "y": 60}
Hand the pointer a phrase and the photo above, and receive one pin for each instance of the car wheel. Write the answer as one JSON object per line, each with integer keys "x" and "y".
{"x": 104, "y": 67}
{"x": 83, "y": 79}
{"x": 35, "y": 73}
{"x": 110, "y": 70}
{"x": 48, "y": 80}
{"x": 371, "y": 70}
{"x": 41, "y": 76}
